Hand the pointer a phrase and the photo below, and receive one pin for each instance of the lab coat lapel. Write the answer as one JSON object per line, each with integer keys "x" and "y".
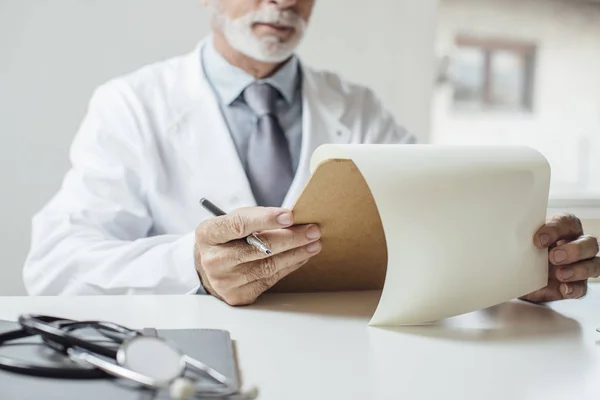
{"x": 322, "y": 109}
{"x": 217, "y": 172}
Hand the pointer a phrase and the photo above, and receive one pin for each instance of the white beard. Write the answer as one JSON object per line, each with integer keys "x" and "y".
{"x": 268, "y": 48}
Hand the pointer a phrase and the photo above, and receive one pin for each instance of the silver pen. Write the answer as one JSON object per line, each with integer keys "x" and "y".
{"x": 252, "y": 239}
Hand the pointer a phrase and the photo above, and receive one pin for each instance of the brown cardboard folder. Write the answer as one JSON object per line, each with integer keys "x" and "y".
{"x": 354, "y": 253}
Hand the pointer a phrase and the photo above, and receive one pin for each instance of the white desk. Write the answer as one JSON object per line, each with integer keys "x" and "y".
{"x": 319, "y": 346}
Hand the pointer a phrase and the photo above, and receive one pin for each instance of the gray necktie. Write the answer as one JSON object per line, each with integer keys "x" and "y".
{"x": 269, "y": 166}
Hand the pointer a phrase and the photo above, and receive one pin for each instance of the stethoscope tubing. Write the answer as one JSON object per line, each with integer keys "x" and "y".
{"x": 55, "y": 332}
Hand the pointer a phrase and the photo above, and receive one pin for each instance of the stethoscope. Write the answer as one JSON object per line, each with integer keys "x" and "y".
{"x": 127, "y": 358}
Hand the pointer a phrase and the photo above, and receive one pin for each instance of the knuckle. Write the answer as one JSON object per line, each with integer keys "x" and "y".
{"x": 573, "y": 222}
{"x": 211, "y": 260}
{"x": 238, "y": 255}
{"x": 260, "y": 287}
{"x": 268, "y": 267}
{"x": 558, "y": 219}
{"x": 555, "y": 218}
{"x": 200, "y": 232}
{"x": 251, "y": 273}
{"x": 208, "y": 261}
{"x": 561, "y": 218}
{"x": 237, "y": 224}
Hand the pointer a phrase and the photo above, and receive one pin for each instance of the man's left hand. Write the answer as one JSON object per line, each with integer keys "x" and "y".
{"x": 571, "y": 260}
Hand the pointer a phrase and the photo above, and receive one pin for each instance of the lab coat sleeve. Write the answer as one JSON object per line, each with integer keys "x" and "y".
{"x": 92, "y": 237}
{"x": 380, "y": 126}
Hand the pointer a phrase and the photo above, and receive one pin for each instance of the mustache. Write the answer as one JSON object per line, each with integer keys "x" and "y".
{"x": 272, "y": 15}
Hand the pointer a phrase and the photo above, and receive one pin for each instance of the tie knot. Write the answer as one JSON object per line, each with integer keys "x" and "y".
{"x": 261, "y": 98}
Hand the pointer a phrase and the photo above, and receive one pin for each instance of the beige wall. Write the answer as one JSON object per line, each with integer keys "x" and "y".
{"x": 565, "y": 124}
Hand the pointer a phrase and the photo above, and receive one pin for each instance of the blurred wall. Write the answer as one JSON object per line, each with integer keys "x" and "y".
{"x": 565, "y": 122}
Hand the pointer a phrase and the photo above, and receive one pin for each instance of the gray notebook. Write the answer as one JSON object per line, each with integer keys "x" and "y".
{"x": 213, "y": 347}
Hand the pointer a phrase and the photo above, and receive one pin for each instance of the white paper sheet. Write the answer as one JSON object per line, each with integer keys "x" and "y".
{"x": 459, "y": 223}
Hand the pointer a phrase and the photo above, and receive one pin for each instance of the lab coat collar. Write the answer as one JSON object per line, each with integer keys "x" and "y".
{"x": 194, "y": 104}
{"x": 190, "y": 88}
{"x": 230, "y": 81}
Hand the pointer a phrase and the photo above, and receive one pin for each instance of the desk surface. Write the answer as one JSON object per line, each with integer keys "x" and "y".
{"x": 318, "y": 346}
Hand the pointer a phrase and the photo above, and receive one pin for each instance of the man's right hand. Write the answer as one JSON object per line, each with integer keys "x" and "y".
{"x": 236, "y": 272}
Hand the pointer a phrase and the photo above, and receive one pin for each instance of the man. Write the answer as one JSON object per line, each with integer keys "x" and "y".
{"x": 234, "y": 121}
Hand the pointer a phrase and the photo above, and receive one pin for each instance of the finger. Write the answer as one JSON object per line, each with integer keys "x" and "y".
{"x": 259, "y": 287}
{"x": 546, "y": 294}
{"x": 583, "y": 248}
{"x": 269, "y": 267}
{"x": 242, "y": 223}
{"x": 558, "y": 291}
{"x": 279, "y": 241}
{"x": 579, "y": 271}
{"x": 247, "y": 294}
{"x": 573, "y": 290}
{"x": 559, "y": 227}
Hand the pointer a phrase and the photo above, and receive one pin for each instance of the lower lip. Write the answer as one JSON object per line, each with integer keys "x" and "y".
{"x": 278, "y": 28}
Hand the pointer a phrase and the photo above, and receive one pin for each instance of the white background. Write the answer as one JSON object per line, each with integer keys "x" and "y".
{"x": 53, "y": 54}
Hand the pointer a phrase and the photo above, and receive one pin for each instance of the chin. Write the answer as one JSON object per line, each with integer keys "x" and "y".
{"x": 276, "y": 49}
{"x": 262, "y": 45}
{"x": 266, "y": 48}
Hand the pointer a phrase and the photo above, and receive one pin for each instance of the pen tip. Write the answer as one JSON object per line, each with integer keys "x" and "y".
{"x": 269, "y": 252}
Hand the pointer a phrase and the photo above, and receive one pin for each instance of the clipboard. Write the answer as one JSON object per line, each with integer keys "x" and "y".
{"x": 440, "y": 230}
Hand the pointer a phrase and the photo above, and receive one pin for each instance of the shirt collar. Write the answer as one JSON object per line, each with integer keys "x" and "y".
{"x": 230, "y": 81}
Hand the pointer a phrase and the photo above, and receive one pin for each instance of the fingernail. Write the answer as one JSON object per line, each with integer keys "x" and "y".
{"x": 313, "y": 232}
{"x": 566, "y": 289}
{"x": 544, "y": 239}
{"x": 284, "y": 219}
{"x": 559, "y": 256}
{"x": 313, "y": 247}
{"x": 566, "y": 274}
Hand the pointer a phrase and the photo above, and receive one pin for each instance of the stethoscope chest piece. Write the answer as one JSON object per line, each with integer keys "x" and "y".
{"x": 153, "y": 357}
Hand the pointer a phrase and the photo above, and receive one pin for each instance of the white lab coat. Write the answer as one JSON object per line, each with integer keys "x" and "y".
{"x": 151, "y": 145}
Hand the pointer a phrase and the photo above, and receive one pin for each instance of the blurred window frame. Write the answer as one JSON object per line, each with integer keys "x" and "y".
{"x": 489, "y": 47}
